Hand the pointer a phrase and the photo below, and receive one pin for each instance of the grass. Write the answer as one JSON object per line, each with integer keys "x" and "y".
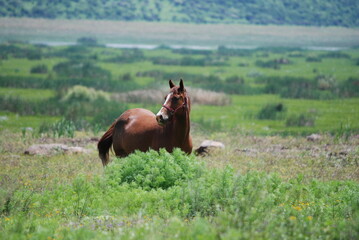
{"x": 16, "y": 123}
{"x": 241, "y": 115}
{"x": 30, "y": 94}
{"x": 276, "y": 187}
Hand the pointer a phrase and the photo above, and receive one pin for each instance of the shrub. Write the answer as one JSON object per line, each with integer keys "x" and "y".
{"x": 272, "y": 63}
{"x": 326, "y": 82}
{"x": 301, "y": 120}
{"x": 349, "y": 88}
{"x": 129, "y": 56}
{"x": 272, "y": 111}
{"x": 224, "y": 51}
{"x": 152, "y": 170}
{"x": 192, "y": 51}
{"x": 313, "y": 59}
{"x": 80, "y": 69}
{"x": 42, "y": 68}
{"x": 81, "y": 93}
{"x": 126, "y": 77}
{"x": 334, "y": 54}
{"x": 62, "y": 128}
{"x": 296, "y": 87}
{"x": 87, "y": 41}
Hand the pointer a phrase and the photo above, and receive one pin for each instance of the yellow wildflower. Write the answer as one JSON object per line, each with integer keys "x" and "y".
{"x": 310, "y": 218}
{"x": 292, "y": 218}
{"x": 298, "y": 208}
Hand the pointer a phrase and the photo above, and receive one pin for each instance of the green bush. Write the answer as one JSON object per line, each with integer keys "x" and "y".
{"x": 322, "y": 87}
{"x": 129, "y": 56}
{"x": 81, "y": 69}
{"x": 272, "y": 111}
{"x": 87, "y": 41}
{"x": 350, "y": 87}
{"x": 334, "y": 54}
{"x": 42, "y": 68}
{"x": 82, "y": 93}
{"x": 62, "y": 128}
{"x": 301, "y": 120}
{"x": 153, "y": 169}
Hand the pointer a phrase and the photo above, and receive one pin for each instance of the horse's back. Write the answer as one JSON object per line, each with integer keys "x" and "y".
{"x": 134, "y": 130}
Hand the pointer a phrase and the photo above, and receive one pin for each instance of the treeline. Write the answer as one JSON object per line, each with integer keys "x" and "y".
{"x": 281, "y": 12}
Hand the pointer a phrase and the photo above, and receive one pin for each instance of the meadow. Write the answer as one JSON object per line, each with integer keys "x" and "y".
{"x": 269, "y": 182}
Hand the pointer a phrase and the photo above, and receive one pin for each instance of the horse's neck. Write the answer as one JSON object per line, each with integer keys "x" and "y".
{"x": 180, "y": 129}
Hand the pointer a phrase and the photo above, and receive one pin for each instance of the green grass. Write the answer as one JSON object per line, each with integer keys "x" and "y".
{"x": 241, "y": 115}
{"x": 30, "y": 94}
{"x": 69, "y": 197}
{"x": 22, "y": 67}
{"x": 16, "y": 123}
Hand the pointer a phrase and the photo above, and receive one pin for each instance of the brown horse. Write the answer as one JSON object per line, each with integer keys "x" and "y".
{"x": 140, "y": 129}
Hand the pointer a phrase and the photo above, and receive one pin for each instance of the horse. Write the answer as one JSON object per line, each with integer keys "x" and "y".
{"x": 140, "y": 129}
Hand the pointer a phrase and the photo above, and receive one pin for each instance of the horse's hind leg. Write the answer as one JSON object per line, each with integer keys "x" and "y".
{"x": 118, "y": 138}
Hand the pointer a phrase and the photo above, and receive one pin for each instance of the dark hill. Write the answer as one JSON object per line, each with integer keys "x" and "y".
{"x": 280, "y": 12}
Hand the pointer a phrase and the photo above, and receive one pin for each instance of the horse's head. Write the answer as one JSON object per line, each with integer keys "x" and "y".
{"x": 176, "y": 102}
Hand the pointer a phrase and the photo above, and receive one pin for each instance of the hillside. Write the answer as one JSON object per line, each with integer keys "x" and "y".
{"x": 280, "y": 12}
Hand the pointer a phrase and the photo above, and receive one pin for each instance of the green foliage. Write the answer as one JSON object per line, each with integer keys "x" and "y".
{"x": 196, "y": 202}
{"x": 189, "y": 61}
{"x": 81, "y": 93}
{"x": 334, "y": 54}
{"x": 350, "y": 87}
{"x": 290, "y": 87}
{"x": 272, "y": 63}
{"x": 87, "y": 41}
{"x": 272, "y": 111}
{"x": 128, "y": 56}
{"x": 77, "y": 69}
{"x": 153, "y": 169}
{"x": 18, "y": 51}
{"x": 42, "y": 68}
{"x": 334, "y": 12}
{"x": 300, "y": 120}
{"x": 313, "y": 59}
{"x": 62, "y": 128}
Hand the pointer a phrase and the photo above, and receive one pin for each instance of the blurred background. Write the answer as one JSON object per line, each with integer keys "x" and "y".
{"x": 252, "y": 67}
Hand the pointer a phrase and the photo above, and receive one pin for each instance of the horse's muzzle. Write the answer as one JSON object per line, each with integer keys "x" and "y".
{"x": 161, "y": 120}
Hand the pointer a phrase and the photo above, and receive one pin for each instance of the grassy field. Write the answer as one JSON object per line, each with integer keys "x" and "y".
{"x": 269, "y": 182}
{"x": 231, "y": 72}
{"x": 258, "y": 187}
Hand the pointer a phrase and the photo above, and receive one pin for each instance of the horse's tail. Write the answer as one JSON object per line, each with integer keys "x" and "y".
{"x": 104, "y": 145}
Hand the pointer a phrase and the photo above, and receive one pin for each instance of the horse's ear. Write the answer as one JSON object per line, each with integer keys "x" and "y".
{"x": 171, "y": 84}
{"x": 181, "y": 88}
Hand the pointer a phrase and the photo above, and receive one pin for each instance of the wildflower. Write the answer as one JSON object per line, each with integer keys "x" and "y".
{"x": 7, "y": 219}
{"x": 292, "y": 218}
{"x": 298, "y": 208}
{"x": 310, "y": 218}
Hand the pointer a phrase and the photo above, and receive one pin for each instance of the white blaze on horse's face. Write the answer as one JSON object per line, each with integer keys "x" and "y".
{"x": 162, "y": 116}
